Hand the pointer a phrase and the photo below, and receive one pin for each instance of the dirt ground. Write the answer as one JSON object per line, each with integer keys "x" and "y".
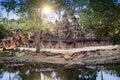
{"x": 75, "y": 60}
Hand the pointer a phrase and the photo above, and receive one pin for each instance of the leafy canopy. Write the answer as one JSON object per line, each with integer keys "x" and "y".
{"x": 103, "y": 19}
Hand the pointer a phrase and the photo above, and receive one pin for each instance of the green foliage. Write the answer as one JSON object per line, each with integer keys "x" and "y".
{"x": 8, "y": 5}
{"x": 47, "y": 25}
{"x": 3, "y": 31}
{"x": 27, "y": 27}
{"x": 100, "y": 17}
{"x": 44, "y": 25}
{"x": 103, "y": 19}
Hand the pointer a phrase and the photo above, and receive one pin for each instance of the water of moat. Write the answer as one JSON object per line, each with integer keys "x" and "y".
{"x": 35, "y": 72}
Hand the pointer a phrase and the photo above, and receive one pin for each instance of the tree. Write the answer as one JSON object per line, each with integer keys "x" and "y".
{"x": 31, "y": 9}
{"x": 3, "y": 31}
{"x": 9, "y": 5}
{"x": 102, "y": 17}
{"x": 58, "y": 7}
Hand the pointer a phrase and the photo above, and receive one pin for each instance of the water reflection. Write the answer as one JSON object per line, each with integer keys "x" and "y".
{"x": 27, "y": 72}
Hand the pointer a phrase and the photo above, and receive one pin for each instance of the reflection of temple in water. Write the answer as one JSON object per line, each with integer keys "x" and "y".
{"x": 28, "y": 72}
{"x": 65, "y": 75}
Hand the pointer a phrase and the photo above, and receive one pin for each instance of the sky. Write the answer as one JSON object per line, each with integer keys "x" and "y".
{"x": 4, "y": 14}
{"x": 11, "y": 15}
{"x": 51, "y": 16}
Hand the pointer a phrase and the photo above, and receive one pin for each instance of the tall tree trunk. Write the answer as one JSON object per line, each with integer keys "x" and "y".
{"x": 8, "y": 19}
{"x": 38, "y": 30}
{"x": 59, "y": 15}
{"x": 37, "y": 41}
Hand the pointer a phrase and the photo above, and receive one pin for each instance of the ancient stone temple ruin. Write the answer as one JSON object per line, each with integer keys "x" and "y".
{"x": 68, "y": 35}
{"x": 65, "y": 35}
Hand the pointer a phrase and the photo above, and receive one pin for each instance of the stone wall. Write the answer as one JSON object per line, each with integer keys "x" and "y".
{"x": 68, "y": 44}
